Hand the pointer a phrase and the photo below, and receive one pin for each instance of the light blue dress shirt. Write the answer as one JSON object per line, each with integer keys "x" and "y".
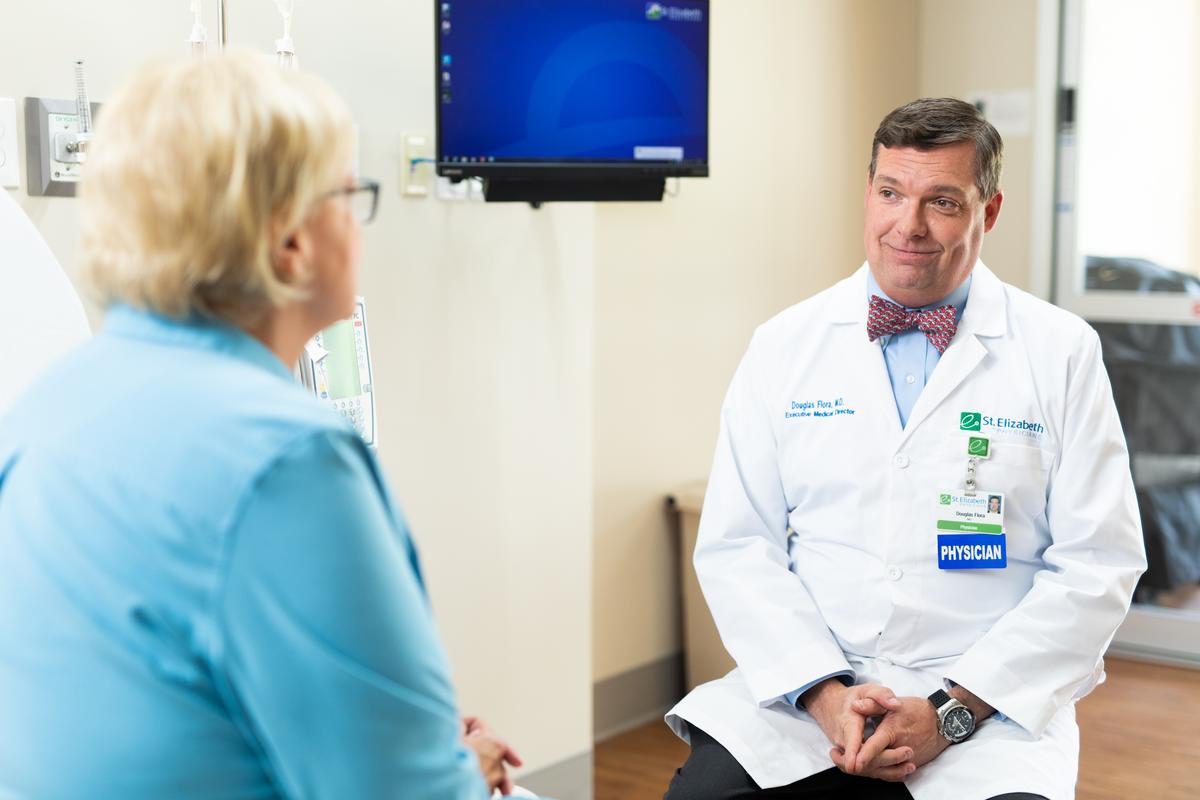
{"x": 910, "y": 360}
{"x": 909, "y": 355}
{"x": 206, "y": 590}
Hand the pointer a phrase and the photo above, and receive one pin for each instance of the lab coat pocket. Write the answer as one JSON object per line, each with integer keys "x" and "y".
{"x": 1021, "y": 473}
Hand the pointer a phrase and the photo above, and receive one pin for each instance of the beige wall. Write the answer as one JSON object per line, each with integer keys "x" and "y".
{"x": 797, "y": 89}
{"x": 983, "y": 45}
{"x": 481, "y": 324}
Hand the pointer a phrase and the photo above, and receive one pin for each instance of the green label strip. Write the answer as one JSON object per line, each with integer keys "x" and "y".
{"x": 970, "y": 527}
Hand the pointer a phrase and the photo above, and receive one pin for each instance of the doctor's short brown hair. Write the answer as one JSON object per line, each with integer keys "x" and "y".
{"x": 198, "y": 170}
{"x": 939, "y": 121}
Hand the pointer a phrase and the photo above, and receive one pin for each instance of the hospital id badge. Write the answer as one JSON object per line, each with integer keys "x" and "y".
{"x": 970, "y": 531}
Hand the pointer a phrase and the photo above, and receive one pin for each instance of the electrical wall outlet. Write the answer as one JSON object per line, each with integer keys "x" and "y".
{"x": 416, "y": 165}
{"x": 10, "y": 169}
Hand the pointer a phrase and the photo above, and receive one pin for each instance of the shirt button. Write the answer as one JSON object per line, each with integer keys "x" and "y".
{"x": 895, "y": 573}
{"x": 901, "y": 461}
{"x": 910, "y": 379}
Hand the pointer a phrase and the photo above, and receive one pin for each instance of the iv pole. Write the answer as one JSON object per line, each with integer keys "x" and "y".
{"x": 222, "y": 21}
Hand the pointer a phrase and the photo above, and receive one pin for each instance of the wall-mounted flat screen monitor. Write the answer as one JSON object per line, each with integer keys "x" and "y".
{"x": 572, "y": 88}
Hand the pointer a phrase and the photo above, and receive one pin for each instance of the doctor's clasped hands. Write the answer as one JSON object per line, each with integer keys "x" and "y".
{"x": 906, "y": 734}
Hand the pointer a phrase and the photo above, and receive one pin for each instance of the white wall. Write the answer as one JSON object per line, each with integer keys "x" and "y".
{"x": 798, "y": 87}
{"x": 481, "y": 323}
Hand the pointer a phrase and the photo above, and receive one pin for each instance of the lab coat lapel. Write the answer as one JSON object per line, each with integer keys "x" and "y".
{"x": 862, "y": 358}
{"x": 985, "y": 315}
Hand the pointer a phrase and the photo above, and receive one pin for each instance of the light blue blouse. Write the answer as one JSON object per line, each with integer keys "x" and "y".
{"x": 206, "y": 590}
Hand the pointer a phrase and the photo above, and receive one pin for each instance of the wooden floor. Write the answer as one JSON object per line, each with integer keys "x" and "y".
{"x": 1140, "y": 738}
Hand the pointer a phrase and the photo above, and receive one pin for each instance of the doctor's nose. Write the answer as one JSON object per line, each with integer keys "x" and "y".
{"x": 911, "y": 223}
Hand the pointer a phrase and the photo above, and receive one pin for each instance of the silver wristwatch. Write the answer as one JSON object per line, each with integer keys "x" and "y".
{"x": 955, "y": 721}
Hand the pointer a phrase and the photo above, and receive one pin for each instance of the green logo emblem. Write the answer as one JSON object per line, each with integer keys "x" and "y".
{"x": 969, "y": 421}
{"x": 978, "y": 446}
{"x": 944, "y": 499}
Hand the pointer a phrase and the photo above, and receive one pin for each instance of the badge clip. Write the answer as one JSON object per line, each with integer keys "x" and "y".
{"x": 979, "y": 447}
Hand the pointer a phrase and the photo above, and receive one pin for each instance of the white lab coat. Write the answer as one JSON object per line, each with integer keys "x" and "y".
{"x": 816, "y": 550}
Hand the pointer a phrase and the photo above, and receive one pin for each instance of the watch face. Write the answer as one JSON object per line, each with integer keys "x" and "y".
{"x": 958, "y": 724}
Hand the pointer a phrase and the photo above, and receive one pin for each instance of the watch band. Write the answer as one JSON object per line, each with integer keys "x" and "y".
{"x": 940, "y": 698}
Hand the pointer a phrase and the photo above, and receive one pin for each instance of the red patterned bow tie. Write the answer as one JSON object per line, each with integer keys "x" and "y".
{"x": 885, "y": 318}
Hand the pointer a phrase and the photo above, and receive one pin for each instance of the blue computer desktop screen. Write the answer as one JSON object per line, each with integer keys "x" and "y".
{"x": 572, "y": 80}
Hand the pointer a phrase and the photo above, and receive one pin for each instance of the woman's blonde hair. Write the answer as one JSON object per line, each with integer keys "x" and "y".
{"x": 198, "y": 170}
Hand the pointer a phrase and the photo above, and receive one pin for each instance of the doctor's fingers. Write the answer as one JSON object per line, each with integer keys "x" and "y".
{"x": 840, "y": 760}
{"x": 895, "y": 774}
{"x": 879, "y": 742}
{"x": 870, "y": 707}
{"x": 873, "y": 700}
{"x": 891, "y": 765}
{"x": 851, "y": 739}
{"x": 892, "y": 757}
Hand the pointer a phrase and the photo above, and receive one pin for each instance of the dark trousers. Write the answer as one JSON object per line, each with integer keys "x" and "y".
{"x": 711, "y": 773}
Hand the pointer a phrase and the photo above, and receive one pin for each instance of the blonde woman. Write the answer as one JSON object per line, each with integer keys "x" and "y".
{"x": 205, "y": 588}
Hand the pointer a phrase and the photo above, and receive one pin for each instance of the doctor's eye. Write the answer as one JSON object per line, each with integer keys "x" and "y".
{"x": 887, "y": 194}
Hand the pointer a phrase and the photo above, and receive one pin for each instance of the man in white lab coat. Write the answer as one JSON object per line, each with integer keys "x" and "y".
{"x": 898, "y": 635}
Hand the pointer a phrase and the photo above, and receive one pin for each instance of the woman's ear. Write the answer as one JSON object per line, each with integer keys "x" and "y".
{"x": 290, "y": 259}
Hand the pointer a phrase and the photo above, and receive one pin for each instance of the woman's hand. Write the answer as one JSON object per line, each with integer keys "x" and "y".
{"x": 493, "y": 753}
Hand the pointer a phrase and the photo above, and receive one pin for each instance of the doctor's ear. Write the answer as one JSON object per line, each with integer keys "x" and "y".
{"x": 991, "y": 212}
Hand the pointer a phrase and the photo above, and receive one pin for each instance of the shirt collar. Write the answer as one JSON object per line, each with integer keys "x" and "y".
{"x": 957, "y": 298}
{"x": 198, "y": 331}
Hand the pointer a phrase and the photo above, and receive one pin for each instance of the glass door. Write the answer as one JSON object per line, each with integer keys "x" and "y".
{"x": 1127, "y": 259}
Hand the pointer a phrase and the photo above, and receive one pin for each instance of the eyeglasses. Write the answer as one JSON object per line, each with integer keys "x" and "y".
{"x": 363, "y": 198}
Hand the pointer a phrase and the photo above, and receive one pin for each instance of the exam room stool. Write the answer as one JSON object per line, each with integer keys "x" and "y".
{"x": 704, "y": 656}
